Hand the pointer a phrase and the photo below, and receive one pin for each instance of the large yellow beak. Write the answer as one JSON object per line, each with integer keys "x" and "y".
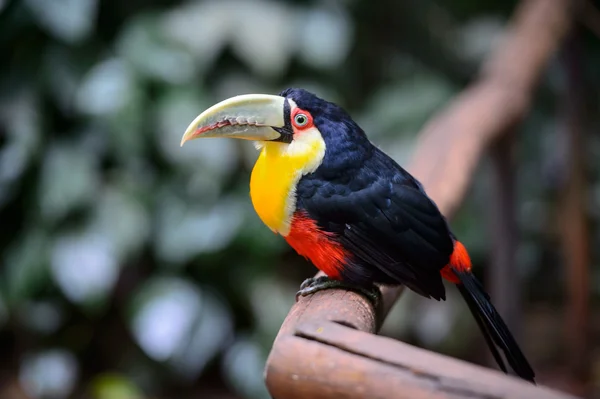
{"x": 258, "y": 117}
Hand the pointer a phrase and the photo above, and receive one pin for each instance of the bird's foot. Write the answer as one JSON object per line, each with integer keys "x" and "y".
{"x": 314, "y": 284}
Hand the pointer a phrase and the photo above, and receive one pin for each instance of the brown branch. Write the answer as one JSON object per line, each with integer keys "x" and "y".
{"x": 339, "y": 362}
{"x": 450, "y": 146}
{"x": 448, "y": 150}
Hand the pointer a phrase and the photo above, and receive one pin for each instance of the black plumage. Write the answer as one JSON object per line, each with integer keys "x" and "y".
{"x": 381, "y": 215}
{"x": 377, "y": 210}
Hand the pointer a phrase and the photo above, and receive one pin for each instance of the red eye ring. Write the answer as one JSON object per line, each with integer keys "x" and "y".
{"x": 302, "y": 119}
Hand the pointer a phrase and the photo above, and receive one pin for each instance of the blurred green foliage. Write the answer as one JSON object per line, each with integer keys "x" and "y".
{"x": 132, "y": 268}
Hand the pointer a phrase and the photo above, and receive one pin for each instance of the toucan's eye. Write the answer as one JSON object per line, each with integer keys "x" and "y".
{"x": 300, "y": 120}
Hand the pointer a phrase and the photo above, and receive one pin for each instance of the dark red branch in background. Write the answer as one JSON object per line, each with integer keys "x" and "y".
{"x": 575, "y": 232}
{"x": 503, "y": 277}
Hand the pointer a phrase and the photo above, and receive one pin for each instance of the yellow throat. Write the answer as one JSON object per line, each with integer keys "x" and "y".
{"x": 276, "y": 173}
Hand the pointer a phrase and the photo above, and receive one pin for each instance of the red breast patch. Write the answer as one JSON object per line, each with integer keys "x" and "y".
{"x": 316, "y": 245}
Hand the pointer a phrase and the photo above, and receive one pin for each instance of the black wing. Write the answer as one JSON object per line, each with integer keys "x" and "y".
{"x": 382, "y": 216}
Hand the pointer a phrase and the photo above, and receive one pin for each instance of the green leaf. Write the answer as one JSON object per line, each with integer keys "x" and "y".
{"x": 69, "y": 179}
{"x": 44, "y": 316}
{"x": 115, "y": 386}
{"x": 69, "y": 20}
{"x": 3, "y": 312}
{"x": 26, "y": 263}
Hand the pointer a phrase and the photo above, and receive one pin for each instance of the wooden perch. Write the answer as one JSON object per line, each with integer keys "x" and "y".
{"x": 326, "y": 348}
{"x": 340, "y": 362}
{"x": 315, "y": 358}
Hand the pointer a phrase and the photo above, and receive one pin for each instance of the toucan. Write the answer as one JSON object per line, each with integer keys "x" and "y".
{"x": 342, "y": 203}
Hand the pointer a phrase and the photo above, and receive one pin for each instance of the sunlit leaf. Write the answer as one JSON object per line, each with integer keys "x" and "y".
{"x": 234, "y": 83}
{"x": 122, "y": 220}
{"x": 50, "y": 374}
{"x": 144, "y": 44}
{"x": 211, "y": 333}
{"x": 243, "y": 367}
{"x": 213, "y": 158}
{"x": 85, "y": 266}
{"x": 403, "y": 108}
{"x": 479, "y": 37}
{"x": 434, "y": 321}
{"x": 271, "y": 313}
{"x": 174, "y": 321}
{"x": 186, "y": 230}
{"x": 398, "y": 322}
{"x": 19, "y": 114}
{"x": 210, "y": 22}
{"x": 164, "y": 314}
{"x": 325, "y": 37}
{"x": 106, "y": 88}
{"x": 258, "y": 239}
{"x": 69, "y": 20}
{"x": 263, "y": 34}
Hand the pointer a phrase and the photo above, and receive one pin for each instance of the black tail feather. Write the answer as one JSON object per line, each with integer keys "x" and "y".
{"x": 492, "y": 326}
{"x": 482, "y": 326}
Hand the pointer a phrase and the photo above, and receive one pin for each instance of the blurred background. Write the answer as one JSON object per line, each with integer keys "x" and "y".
{"x": 133, "y": 268}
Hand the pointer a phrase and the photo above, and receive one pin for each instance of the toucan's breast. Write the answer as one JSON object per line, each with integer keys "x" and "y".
{"x": 276, "y": 174}
{"x": 272, "y": 189}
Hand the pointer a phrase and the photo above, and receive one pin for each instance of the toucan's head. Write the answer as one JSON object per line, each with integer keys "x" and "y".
{"x": 298, "y": 133}
{"x": 295, "y": 117}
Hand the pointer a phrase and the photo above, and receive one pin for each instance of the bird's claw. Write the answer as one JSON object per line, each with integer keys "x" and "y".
{"x": 315, "y": 284}
{"x": 313, "y": 281}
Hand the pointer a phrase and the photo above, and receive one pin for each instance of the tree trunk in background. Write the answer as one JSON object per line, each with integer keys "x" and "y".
{"x": 574, "y": 229}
